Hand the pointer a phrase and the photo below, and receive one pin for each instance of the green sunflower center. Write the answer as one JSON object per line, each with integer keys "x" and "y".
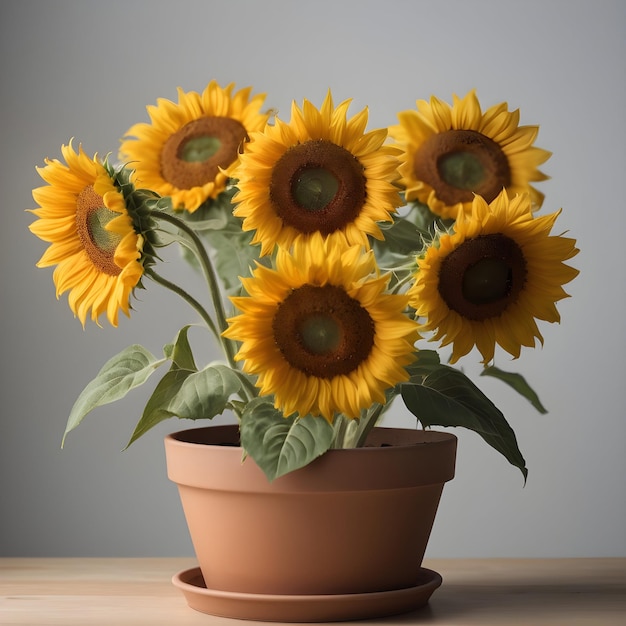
{"x": 314, "y": 188}
{"x": 194, "y": 154}
{"x": 318, "y": 186}
{"x": 482, "y": 277}
{"x": 99, "y": 243}
{"x": 459, "y": 163}
{"x": 323, "y": 331}
{"x": 199, "y": 149}
{"x": 320, "y": 334}
{"x": 462, "y": 170}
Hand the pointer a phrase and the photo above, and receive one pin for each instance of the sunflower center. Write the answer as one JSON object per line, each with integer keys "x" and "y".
{"x": 322, "y": 331}
{"x": 194, "y": 154}
{"x": 99, "y": 243}
{"x": 483, "y": 276}
{"x": 462, "y": 170}
{"x": 314, "y": 188}
{"x": 488, "y": 280}
{"x": 318, "y": 186}
{"x": 320, "y": 334}
{"x": 460, "y": 163}
{"x": 199, "y": 149}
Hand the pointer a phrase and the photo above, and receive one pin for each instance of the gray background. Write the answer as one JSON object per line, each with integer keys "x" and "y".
{"x": 88, "y": 69}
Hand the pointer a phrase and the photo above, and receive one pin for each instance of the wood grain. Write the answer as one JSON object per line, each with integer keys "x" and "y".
{"x": 129, "y": 592}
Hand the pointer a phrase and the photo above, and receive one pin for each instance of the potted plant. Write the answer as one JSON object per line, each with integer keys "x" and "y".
{"x": 331, "y": 255}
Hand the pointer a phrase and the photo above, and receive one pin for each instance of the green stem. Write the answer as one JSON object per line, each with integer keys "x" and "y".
{"x": 340, "y": 431}
{"x": 251, "y": 390}
{"x": 211, "y": 278}
{"x": 370, "y": 422}
{"x": 157, "y": 278}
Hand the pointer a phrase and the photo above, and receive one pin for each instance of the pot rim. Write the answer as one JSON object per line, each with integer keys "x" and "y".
{"x": 412, "y": 458}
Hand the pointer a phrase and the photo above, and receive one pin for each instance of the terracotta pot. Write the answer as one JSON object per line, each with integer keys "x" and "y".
{"x": 352, "y": 522}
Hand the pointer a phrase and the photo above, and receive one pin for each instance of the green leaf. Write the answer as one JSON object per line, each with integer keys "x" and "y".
{"x": 183, "y": 365}
{"x": 402, "y": 237}
{"x": 425, "y": 360}
{"x": 206, "y": 393}
{"x": 234, "y": 256}
{"x": 408, "y": 234}
{"x": 180, "y": 351}
{"x": 214, "y": 213}
{"x": 230, "y": 247}
{"x": 162, "y": 238}
{"x": 446, "y": 397}
{"x": 125, "y": 371}
{"x": 517, "y": 382}
{"x": 157, "y": 408}
{"x": 280, "y": 445}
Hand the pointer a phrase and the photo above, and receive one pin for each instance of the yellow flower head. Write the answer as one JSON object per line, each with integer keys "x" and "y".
{"x": 319, "y": 173}
{"x": 452, "y": 152}
{"x": 94, "y": 245}
{"x": 189, "y": 149}
{"x": 320, "y": 332}
{"x": 487, "y": 281}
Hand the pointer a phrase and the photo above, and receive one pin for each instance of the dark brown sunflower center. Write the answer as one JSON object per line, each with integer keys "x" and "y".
{"x": 192, "y": 156}
{"x": 483, "y": 276}
{"x": 322, "y": 331}
{"x": 318, "y": 186}
{"x": 91, "y": 220}
{"x": 460, "y": 163}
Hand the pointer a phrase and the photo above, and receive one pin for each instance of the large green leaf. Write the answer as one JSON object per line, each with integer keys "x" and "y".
{"x": 278, "y": 444}
{"x": 158, "y": 406}
{"x": 406, "y": 235}
{"x": 206, "y": 393}
{"x": 517, "y": 382}
{"x": 125, "y": 371}
{"x": 180, "y": 351}
{"x": 445, "y": 396}
{"x": 234, "y": 255}
{"x": 214, "y": 213}
{"x": 230, "y": 248}
{"x": 425, "y": 361}
{"x": 402, "y": 238}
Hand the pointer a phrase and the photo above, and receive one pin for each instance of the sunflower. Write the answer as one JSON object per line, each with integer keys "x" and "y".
{"x": 453, "y": 152}
{"x": 319, "y": 173}
{"x": 94, "y": 245}
{"x": 189, "y": 149}
{"x": 489, "y": 279}
{"x": 320, "y": 331}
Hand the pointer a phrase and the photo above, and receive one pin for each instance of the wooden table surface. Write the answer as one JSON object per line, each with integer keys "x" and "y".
{"x": 127, "y": 592}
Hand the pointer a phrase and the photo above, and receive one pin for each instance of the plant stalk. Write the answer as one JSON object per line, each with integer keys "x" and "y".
{"x": 212, "y": 282}
{"x": 179, "y": 291}
{"x": 370, "y": 422}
